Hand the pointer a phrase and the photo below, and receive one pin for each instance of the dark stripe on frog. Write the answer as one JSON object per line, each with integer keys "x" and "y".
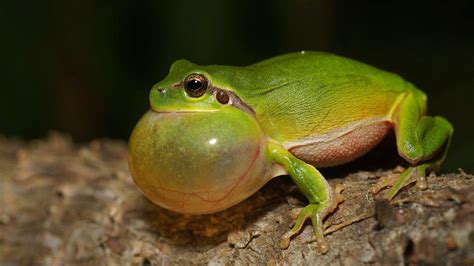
{"x": 234, "y": 98}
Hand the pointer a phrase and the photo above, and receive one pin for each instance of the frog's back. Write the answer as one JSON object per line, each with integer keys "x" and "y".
{"x": 332, "y": 109}
{"x": 301, "y": 95}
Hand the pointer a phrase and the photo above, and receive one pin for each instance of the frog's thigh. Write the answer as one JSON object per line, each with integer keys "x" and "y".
{"x": 420, "y": 138}
{"x": 342, "y": 145}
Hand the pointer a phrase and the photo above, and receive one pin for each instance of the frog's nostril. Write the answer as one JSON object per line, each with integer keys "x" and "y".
{"x": 160, "y": 90}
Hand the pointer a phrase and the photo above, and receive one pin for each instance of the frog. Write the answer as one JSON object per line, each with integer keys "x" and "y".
{"x": 215, "y": 134}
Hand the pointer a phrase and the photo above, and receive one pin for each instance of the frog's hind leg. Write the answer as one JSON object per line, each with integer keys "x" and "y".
{"x": 421, "y": 140}
{"x": 322, "y": 198}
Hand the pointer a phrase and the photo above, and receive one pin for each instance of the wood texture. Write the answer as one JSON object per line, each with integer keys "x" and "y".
{"x": 64, "y": 203}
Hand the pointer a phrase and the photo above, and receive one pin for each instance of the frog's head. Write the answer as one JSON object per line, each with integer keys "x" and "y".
{"x": 199, "y": 149}
{"x": 190, "y": 88}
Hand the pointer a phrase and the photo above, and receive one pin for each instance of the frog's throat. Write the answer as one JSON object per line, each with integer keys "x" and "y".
{"x": 228, "y": 189}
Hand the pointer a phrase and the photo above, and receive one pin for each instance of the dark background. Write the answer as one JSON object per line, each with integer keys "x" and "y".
{"x": 85, "y": 67}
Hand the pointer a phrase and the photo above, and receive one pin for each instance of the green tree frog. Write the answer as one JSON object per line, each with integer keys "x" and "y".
{"x": 216, "y": 134}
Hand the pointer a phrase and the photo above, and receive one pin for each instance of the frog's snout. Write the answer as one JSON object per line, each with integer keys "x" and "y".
{"x": 161, "y": 90}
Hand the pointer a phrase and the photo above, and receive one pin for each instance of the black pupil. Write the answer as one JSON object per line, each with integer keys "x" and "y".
{"x": 194, "y": 84}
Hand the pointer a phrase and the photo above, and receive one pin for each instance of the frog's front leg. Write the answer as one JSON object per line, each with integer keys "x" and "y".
{"x": 421, "y": 140}
{"x": 317, "y": 190}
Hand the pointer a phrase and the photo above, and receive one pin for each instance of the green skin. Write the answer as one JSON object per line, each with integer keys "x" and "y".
{"x": 284, "y": 115}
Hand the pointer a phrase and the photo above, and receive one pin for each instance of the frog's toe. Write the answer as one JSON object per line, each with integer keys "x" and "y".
{"x": 300, "y": 216}
{"x": 387, "y": 180}
{"x": 315, "y": 213}
{"x": 399, "y": 181}
{"x": 322, "y": 245}
{"x": 384, "y": 182}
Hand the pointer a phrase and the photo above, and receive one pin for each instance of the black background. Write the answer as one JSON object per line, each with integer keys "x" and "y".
{"x": 85, "y": 67}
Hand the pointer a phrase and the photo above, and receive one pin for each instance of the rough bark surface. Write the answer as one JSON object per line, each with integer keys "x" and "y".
{"x": 63, "y": 203}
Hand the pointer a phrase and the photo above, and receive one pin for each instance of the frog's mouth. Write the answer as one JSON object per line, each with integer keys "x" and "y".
{"x": 170, "y": 109}
{"x": 218, "y": 99}
{"x": 183, "y": 111}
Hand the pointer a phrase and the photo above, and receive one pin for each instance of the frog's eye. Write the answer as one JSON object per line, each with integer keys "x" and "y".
{"x": 195, "y": 85}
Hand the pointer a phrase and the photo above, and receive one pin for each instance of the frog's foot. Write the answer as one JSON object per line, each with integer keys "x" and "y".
{"x": 398, "y": 181}
{"x": 384, "y": 182}
{"x": 316, "y": 212}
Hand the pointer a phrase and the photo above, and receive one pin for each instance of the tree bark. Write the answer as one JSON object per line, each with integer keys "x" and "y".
{"x": 65, "y": 203}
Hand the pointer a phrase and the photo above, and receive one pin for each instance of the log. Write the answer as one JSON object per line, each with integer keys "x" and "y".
{"x": 68, "y": 203}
